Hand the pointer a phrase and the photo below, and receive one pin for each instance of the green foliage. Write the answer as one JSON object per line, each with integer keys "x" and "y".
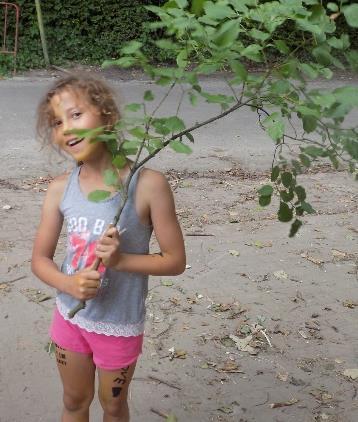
{"x": 82, "y": 31}
{"x": 98, "y": 195}
{"x": 216, "y": 36}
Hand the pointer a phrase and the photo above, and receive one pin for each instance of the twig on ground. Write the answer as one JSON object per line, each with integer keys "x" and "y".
{"x": 169, "y": 384}
{"x": 15, "y": 279}
{"x": 263, "y": 332}
{"x": 158, "y": 412}
{"x": 199, "y": 234}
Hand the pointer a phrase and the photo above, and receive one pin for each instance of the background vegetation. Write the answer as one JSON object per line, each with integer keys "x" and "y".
{"x": 90, "y": 31}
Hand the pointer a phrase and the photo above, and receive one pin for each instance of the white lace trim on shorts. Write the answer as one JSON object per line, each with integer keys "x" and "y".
{"x": 106, "y": 328}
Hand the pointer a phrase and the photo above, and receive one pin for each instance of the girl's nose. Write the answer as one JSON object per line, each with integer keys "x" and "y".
{"x": 65, "y": 127}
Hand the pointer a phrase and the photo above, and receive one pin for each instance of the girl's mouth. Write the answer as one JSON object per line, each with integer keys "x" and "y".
{"x": 73, "y": 142}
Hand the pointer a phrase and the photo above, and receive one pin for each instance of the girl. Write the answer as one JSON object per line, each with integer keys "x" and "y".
{"x": 108, "y": 333}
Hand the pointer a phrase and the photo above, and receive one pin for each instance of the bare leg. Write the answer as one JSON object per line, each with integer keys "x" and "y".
{"x": 77, "y": 373}
{"x": 113, "y": 393}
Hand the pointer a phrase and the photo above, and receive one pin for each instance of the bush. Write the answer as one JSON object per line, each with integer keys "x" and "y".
{"x": 90, "y": 31}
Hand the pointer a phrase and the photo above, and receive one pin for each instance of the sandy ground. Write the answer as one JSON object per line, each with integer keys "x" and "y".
{"x": 295, "y": 299}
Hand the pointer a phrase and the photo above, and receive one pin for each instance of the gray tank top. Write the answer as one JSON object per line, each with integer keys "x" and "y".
{"x": 119, "y": 307}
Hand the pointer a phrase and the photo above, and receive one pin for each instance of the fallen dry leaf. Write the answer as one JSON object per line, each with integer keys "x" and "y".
{"x": 283, "y": 404}
{"x": 280, "y": 275}
{"x": 351, "y": 373}
{"x": 338, "y": 254}
{"x": 350, "y": 304}
{"x": 282, "y": 376}
{"x": 230, "y": 366}
{"x": 312, "y": 259}
{"x": 243, "y": 344}
{"x": 234, "y": 252}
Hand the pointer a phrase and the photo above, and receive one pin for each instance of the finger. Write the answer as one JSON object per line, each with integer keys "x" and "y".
{"x": 110, "y": 231}
{"x": 93, "y": 275}
{"x": 105, "y": 241}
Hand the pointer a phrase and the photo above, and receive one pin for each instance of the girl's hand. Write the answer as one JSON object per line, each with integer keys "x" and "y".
{"x": 108, "y": 247}
{"x": 84, "y": 284}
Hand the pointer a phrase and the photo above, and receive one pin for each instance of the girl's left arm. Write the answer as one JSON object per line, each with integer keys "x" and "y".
{"x": 157, "y": 197}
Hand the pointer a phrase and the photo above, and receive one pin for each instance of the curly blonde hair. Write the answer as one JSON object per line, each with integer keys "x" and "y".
{"x": 93, "y": 90}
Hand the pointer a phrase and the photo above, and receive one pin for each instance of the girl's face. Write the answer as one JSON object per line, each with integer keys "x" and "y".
{"x": 72, "y": 112}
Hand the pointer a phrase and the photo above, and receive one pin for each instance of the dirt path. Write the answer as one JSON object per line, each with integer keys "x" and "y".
{"x": 296, "y": 298}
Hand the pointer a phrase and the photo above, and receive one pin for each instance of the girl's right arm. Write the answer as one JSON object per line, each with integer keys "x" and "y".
{"x": 84, "y": 284}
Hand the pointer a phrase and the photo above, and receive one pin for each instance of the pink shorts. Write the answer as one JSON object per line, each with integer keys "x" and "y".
{"x": 109, "y": 352}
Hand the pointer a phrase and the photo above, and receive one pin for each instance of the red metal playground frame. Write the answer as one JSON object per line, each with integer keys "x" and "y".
{"x": 4, "y": 49}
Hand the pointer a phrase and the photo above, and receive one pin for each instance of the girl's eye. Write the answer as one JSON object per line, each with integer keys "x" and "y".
{"x": 76, "y": 115}
{"x": 57, "y": 123}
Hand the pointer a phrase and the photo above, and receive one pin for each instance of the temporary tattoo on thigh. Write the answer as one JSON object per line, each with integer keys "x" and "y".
{"x": 121, "y": 380}
{"x": 61, "y": 356}
{"x": 116, "y": 391}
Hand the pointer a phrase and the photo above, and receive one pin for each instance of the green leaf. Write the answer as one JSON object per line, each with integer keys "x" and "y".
{"x": 98, "y": 195}
{"x": 193, "y": 99}
{"x": 351, "y": 146}
{"x": 166, "y": 44}
{"x": 131, "y": 47}
{"x": 110, "y": 178}
{"x": 148, "y": 96}
{"x": 239, "y": 69}
{"x": 197, "y": 7}
{"x": 252, "y": 52}
{"x": 125, "y": 61}
{"x": 218, "y": 11}
{"x": 119, "y": 161}
{"x": 287, "y": 196}
{"x": 275, "y": 172}
{"x": 265, "y": 190}
{"x": 174, "y": 124}
{"x": 307, "y": 207}
{"x": 180, "y": 147}
{"x": 106, "y": 137}
{"x": 171, "y": 418}
{"x": 138, "y": 132}
{"x": 217, "y": 98}
{"x": 167, "y": 283}
{"x": 347, "y": 95}
{"x": 227, "y": 33}
{"x": 133, "y": 107}
{"x": 258, "y": 35}
{"x": 308, "y": 70}
{"x": 299, "y": 211}
{"x": 313, "y": 151}
{"x": 300, "y": 192}
{"x": 85, "y": 133}
{"x": 295, "y": 226}
{"x": 351, "y": 14}
{"x": 339, "y": 43}
{"x": 274, "y": 126}
{"x": 264, "y": 200}
{"x": 285, "y": 213}
{"x": 286, "y": 179}
{"x": 334, "y": 161}
{"x": 280, "y": 87}
{"x": 332, "y": 7}
{"x": 276, "y": 130}
{"x": 282, "y": 46}
{"x": 189, "y": 136}
{"x": 182, "y": 59}
{"x": 308, "y": 111}
{"x": 305, "y": 160}
{"x": 322, "y": 55}
{"x": 309, "y": 123}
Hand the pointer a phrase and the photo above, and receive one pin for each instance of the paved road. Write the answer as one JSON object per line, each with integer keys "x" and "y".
{"x": 235, "y": 139}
